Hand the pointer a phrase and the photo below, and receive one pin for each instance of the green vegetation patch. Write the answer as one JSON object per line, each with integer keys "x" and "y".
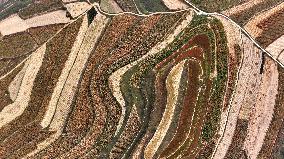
{"x": 219, "y": 83}
{"x": 56, "y": 54}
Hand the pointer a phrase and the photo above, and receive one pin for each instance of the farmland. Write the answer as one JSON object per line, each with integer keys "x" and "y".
{"x": 156, "y": 80}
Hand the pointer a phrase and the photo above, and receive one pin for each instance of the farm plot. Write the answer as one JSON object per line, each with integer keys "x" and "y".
{"x": 14, "y": 24}
{"x": 175, "y": 4}
{"x": 30, "y": 112}
{"x": 146, "y": 6}
{"x": 110, "y": 6}
{"x": 127, "y": 5}
{"x": 215, "y": 6}
{"x": 16, "y": 45}
{"x": 10, "y": 7}
{"x": 243, "y": 17}
{"x": 272, "y": 28}
{"x": 40, "y": 7}
{"x": 165, "y": 85}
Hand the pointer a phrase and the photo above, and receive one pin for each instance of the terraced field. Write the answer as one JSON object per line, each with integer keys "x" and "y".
{"x": 89, "y": 84}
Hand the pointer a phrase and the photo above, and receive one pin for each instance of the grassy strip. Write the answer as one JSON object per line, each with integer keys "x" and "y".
{"x": 219, "y": 83}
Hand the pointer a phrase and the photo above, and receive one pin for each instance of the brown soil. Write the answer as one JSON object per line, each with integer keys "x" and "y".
{"x": 83, "y": 106}
{"x": 236, "y": 148}
{"x": 273, "y": 28}
{"x": 42, "y": 33}
{"x": 16, "y": 45}
{"x": 53, "y": 62}
{"x": 4, "y": 84}
{"x": 7, "y": 64}
{"x": 277, "y": 120}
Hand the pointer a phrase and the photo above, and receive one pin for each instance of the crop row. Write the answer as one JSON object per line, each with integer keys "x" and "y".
{"x": 14, "y": 7}
{"x": 54, "y": 59}
{"x": 151, "y": 6}
{"x": 6, "y": 65}
{"x": 215, "y": 6}
{"x": 236, "y": 148}
{"x": 139, "y": 47}
{"x": 127, "y": 5}
{"x": 243, "y": 17}
{"x": 273, "y": 28}
{"x": 83, "y": 106}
